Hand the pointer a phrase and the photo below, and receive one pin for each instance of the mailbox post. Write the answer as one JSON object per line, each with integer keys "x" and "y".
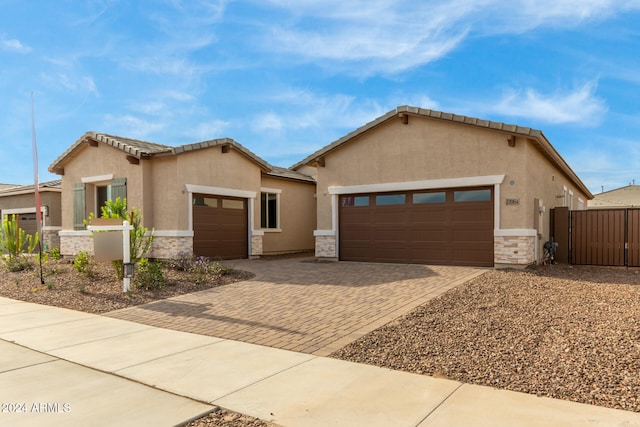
{"x": 111, "y": 252}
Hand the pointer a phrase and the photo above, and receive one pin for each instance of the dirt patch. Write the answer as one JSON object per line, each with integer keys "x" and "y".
{"x": 565, "y": 332}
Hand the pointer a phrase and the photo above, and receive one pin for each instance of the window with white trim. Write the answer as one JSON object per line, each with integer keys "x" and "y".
{"x": 92, "y": 193}
{"x": 270, "y": 209}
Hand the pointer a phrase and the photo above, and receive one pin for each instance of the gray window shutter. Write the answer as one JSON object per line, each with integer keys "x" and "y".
{"x": 78, "y": 206}
{"x": 119, "y": 188}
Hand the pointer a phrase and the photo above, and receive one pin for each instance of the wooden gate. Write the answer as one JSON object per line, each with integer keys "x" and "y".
{"x": 605, "y": 237}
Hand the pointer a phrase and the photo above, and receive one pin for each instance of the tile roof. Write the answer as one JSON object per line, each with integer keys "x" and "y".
{"x": 142, "y": 149}
{"x": 533, "y": 134}
{"x": 55, "y": 185}
{"x": 220, "y": 142}
{"x": 289, "y": 173}
{"x": 133, "y": 147}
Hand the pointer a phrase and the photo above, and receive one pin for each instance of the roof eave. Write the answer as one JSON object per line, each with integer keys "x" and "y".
{"x": 223, "y": 142}
{"x": 400, "y": 111}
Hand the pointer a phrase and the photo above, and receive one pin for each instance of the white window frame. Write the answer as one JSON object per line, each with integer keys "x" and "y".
{"x": 278, "y": 193}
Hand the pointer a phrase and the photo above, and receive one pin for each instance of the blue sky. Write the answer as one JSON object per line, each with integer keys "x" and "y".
{"x": 285, "y": 78}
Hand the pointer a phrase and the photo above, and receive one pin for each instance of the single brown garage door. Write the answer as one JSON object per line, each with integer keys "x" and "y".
{"x": 446, "y": 227}
{"x": 220, "y": 227}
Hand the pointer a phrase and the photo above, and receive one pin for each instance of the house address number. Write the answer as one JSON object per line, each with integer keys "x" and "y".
{"x": 513, "y": 202}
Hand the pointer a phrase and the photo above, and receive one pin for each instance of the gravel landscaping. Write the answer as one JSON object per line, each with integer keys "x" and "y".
{"x": 565, "y": 332}
{"x": 97, "y": 290}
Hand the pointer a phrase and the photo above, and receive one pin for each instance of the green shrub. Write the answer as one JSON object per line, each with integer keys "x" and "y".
{"x": 82, "y": 264}
{"x": 149, "y": 275}
{"x": 14, "y": 241}
{"x": 55, "y": 254}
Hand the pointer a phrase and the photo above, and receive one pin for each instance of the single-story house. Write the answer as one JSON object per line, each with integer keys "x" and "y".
{"x": 20, "y": 200}
{"x": 623, "y": 197}
{"x": 412, "y": 186}
{"x": 422, "y": 186}
{"x": 212, "y": 198}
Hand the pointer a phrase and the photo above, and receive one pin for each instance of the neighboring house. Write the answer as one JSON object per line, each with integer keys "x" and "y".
{"x": 213, "y": 198}
{"x": 624, "y": 197}
{"x": 20, "y": 200}
{"x": 422, "y": 186}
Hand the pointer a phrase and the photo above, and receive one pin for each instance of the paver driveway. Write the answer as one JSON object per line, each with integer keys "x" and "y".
{"x": 302, "y": 305}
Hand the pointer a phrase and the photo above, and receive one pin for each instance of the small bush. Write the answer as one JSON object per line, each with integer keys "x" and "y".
{"x": 43, "y": 257}
{"x": 181, "y": 263}
{"x": 82, "y": 264}
{"x": 149, "y": 275}
{"x": 201, "y": 268}
{"x": 55, "y": 254}
{"x": 18, "y": 263}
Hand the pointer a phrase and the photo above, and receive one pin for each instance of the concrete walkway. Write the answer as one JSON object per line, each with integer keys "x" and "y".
{"x": 299, "y": 305}
{"x": 83, "y": 369}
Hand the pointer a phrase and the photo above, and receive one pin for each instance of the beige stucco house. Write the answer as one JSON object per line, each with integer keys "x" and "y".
{"x": 412, "y": 186}
{"x": 20, "y": 200}
{"x": 623, "y": 197}
{"x": 423, "y": 186}
{"x": 213, "y": 198}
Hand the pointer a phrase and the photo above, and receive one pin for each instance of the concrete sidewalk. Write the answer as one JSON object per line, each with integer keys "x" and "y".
{"x": 115, "y": 372}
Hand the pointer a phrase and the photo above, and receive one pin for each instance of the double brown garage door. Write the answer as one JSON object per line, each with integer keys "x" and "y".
{"x": 447, "y": 227}
{"x": 220, "y": 227}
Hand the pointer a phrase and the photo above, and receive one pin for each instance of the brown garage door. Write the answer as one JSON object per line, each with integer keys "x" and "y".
{"x": 220, "y": 227}
{"x": 452, "y": 227}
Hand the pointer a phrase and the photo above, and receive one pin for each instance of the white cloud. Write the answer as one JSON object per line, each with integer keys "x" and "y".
{"x": 270, "y": 122}
{"x": 390, "y": 36}
{"x": 524, "y": 15}
{"x": 14, "y": 45}
{"x": 611, "y": 164}
{"x": 132, "y": 126}
{"x": 580, "y": 106}
{"x": 211, "y": 129}
{"x": 71, "y": 83}
{"x": 296, "y": 109}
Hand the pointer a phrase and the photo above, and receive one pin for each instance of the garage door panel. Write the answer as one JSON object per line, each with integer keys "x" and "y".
{"x": 390, "y": 254}
{"x": 357, "y": 235}
{"x": 220, "y": 230}
{"x": 390, "y": 217}
{"x": 432, "y": 236}
{"x": 436, "y": 231}
{"x": 437, "y": 216}
{"x": 357, "y": 216}
{"x": 431, "y": 256}
{"x": 482, "y": 214}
